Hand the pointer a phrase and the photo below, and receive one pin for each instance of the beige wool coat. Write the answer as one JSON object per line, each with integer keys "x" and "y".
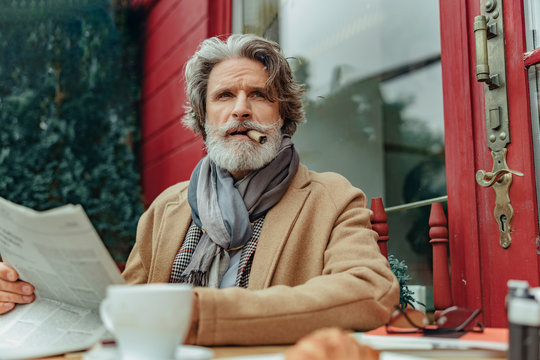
{"x": 317, "y": 264}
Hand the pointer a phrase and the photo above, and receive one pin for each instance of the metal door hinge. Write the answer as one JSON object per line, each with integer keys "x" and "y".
{"x": 491, "y": 69}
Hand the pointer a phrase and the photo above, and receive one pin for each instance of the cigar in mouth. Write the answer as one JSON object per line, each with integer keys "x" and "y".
{"x": 256, "y": 136}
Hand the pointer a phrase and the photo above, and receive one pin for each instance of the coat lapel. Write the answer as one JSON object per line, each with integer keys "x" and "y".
{"x": 276, "y": 230}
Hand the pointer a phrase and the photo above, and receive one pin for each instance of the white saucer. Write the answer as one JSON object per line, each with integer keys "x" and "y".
{"x": 183, "y": 352}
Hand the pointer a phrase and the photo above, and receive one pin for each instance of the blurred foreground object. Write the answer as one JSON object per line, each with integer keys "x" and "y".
{"x": 330, "y": 344}
{"x": 523, "y": 307}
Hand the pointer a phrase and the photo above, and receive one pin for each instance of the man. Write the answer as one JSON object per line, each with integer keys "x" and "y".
{"x": 252, "y": 216}
{"x": 275, "y": 250}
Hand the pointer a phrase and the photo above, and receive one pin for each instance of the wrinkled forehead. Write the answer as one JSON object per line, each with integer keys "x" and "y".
{"x": 238, "y": 70}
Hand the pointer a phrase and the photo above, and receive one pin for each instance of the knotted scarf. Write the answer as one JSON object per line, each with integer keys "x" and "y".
{"x": 224, "y": 210}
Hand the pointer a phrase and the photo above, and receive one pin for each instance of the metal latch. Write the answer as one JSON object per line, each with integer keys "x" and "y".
{"x": 491, "y": 69}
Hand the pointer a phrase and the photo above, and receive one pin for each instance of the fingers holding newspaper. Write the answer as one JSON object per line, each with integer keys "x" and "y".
{"x": 12, "y": 290}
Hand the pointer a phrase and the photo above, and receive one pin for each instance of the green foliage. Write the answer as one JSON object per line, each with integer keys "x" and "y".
{"x": 400, "y": 270}
{"x": 69, "y": 86}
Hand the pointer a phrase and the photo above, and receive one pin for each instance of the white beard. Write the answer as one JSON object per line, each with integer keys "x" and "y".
{"x": 242, "y": 154}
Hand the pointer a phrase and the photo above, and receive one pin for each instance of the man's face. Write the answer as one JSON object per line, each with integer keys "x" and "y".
{"x": 236, "y": 101}
{"x": 236, "y": 90}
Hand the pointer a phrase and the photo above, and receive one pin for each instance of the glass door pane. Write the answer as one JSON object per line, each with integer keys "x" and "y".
{"x": 532, "y": 23}
{"x": 374, "y": 103}
{"x": 532, "y": 30}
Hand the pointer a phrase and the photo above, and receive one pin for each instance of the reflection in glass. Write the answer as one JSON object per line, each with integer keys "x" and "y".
{"x": 532, "y": 24}
{"x": 532, "y": 27}
{"x": 374, "y": 102}
{"x": 534, "y": 89}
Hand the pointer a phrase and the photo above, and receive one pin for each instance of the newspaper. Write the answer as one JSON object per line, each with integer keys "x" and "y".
{"x": 60, "y": 253}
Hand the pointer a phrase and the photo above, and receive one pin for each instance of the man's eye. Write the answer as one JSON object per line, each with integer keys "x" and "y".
{"x": 258, "y": 94}
{"x": 224, "y": 95}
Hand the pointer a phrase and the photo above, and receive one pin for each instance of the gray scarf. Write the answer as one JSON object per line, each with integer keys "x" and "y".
{"x": 224, "y": 210}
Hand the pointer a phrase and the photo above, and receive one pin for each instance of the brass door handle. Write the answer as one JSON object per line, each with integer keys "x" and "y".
{"x": 488, "y": 178}
{"x": 500, "y": 168}
{"x": 482, "y": 31}
{"x": 500, "y": 179}
{"x": 491, "y": 69}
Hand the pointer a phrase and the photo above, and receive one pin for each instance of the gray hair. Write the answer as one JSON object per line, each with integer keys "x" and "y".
{"x": 281, "y": 85}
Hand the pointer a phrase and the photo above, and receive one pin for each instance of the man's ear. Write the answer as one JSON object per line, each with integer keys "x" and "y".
{"x": 203, "y": 128}
{"x": 282, "y": 126}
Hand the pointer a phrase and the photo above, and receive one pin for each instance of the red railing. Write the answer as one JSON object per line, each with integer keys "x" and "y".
{"x": 438, "y": 234}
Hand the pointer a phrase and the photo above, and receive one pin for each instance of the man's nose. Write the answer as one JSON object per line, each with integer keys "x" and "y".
{"x": 242, "y": 108}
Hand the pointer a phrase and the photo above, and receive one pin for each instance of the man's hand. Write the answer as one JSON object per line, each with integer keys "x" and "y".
{"x": 12, "y": 290}
{"x": 330, "y": 344}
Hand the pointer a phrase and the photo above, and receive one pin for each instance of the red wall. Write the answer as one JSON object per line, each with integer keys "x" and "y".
{"x": 174, "y": 30}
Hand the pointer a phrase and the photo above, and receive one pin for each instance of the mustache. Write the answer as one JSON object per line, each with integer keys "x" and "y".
{"x": 248, "y": 124}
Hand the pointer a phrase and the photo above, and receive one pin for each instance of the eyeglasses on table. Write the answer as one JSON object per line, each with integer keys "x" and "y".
{"x": 453, "y": 319}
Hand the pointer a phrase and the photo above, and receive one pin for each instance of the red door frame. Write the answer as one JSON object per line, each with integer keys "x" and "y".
{"x": 174, "y": 29}
{"x": 480, "y": 268}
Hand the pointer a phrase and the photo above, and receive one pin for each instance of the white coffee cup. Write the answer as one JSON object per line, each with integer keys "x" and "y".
{"x": 149, "y": 321}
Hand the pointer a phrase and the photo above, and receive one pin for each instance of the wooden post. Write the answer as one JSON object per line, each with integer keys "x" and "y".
{"x": 438, "y": 233}
{"x": 379, "y": 224}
